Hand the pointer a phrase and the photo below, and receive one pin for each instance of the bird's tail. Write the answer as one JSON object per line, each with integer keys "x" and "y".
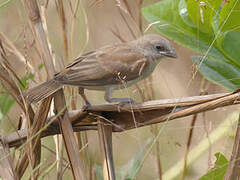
{"x": 41, "y": 91}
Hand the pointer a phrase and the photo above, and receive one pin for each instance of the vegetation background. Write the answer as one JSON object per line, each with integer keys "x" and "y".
{"x": 98, "y": 23}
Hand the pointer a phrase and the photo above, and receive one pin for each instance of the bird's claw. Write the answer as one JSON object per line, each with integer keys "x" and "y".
{"x": 86, "y": 107}
{"x": 123, "y": 103}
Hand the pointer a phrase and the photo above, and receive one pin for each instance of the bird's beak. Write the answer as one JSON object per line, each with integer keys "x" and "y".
{"x": 171, "y": 54}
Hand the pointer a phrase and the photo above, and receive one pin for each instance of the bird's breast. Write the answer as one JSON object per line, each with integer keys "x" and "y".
{"x": 144, "y": 74}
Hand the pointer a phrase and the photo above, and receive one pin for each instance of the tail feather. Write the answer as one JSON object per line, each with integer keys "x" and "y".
{"x": 42, "y": 91}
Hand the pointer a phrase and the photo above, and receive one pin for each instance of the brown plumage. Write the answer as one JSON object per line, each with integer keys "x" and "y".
{"x": 108, "y": 68}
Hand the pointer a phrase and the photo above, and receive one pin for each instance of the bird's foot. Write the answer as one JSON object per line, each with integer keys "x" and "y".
{"x": 123, "y": 102}
{"x": 86, "y": 107}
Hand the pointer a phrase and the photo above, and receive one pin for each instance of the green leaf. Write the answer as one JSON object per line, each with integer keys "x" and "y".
{"x": 219, "y": 170}
{"x": 174, "y": 27}
{"x": 217, "y": 32}
{"x": 202, "y": 13}
{"x": 219, "y": 72}
{"x": 132, "y": 168}
{"x": 6, "y": 103}
{"x": 227, "y": 42}
{"x": 231, "y": 45}
{"x": 182, "y": 7}
{"x": 24, "y": 81}
{"x": 230, "y": 15}
{"x": 40, "y": 67}
{"x": 30, "y": 76}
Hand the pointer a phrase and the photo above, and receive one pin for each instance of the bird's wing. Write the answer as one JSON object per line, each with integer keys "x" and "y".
{"x": 80, "y": 58}
{"x": 107, "y": 66}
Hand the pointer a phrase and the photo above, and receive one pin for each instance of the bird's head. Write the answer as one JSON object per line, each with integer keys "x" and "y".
{"x": 155, "y": 46}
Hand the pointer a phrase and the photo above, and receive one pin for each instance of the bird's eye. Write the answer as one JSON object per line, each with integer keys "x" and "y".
{"x": 159, "y": 47}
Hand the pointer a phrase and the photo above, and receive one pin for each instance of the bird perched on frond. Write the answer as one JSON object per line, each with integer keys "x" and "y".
{"x": 108, "y": 68}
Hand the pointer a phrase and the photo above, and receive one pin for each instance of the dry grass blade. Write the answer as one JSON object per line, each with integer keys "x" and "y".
{"x": 117, "y": 34}
{"x": 234, "y": 164}
{"x": 155, "y": 131}
{"x": 60, "y": 8}
{"x": 41, "y": 40}
{"x": 128, "y": 9}
{"x": 74, "y": 11}
{"x": 190, "y": 134}
{"x": 32, "y": 10}
{"x": 9, "y": 81}
{"x": 140, "y": 2}
{"x": 69, "y": 139}
{"x": 10, "y": 86}
{"x": 6, "y": 163}
{"x": 8, "y": 77}
{"x": 121, "y": 12}
{"x": 138, "y": 17}
{"x": 33, "y": 155}
{"x": 65, "y": 125}
{"x": 38, "y": 123}
{"x": 189, "y": 142}
{"x": 10, "y": 47}
{"x": 105, "y": 137}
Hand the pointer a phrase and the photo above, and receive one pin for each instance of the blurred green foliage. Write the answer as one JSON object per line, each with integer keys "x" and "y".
{"x": 210, "y": 28}
{"x": 219, "y": 169}
{"x": 6, "y": 101}
{"x": 5, "y": 3}
{"x": 132, "y": 168}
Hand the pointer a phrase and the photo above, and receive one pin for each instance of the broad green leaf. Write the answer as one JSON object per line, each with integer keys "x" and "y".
{"x": 231, "y": 45}
{"x": 229, "y": 18}
{"x": 225, "y": 47}
{"x": 172, "y": 26}
{"x": 130, "y": 170}
{"x": 182, "y": 8}
{"x": 219, "y": 170}
{"x": 219, "y": 72}
{"x": 219, "y": 35}
{"x": 202, "y": 13}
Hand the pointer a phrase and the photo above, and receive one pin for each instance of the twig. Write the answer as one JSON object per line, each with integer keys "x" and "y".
{"x": 105, "y": 137}
{"x": 69, "y": 139}
{"x": 189, "y": 142}
{"x": 6, "y": 164}
{"x": 155, "y": 131}
{"x": 234, "y": 164}
{"x": 63, "y": 20}
{"x": 191, "y": 131}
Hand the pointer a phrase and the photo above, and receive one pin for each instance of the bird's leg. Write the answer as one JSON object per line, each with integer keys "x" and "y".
{"x": 81, "y": 93}
{"x": 122, "y": 101}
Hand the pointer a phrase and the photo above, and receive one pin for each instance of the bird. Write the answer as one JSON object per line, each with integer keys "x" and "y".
{"x": 108, "y": 68}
